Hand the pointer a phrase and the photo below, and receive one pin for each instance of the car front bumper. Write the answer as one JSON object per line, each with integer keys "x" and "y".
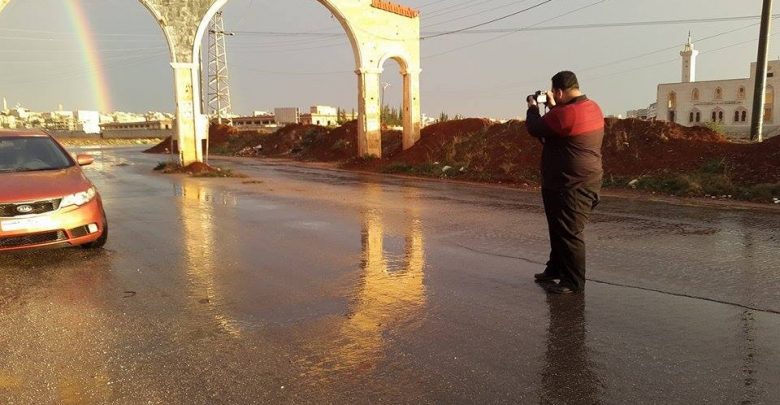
{"x": 66, "y": 226}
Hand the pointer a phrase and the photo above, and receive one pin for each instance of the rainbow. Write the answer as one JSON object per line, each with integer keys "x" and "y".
{"x": 92, "y": 61}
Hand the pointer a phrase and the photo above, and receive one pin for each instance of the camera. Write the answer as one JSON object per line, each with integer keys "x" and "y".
{"x": 540, "y": 97}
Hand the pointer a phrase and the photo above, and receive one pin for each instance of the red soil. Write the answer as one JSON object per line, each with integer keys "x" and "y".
{"x": 507, "y": 153}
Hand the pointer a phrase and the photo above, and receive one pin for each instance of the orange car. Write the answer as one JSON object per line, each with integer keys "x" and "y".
{"x": 45, "y": 199}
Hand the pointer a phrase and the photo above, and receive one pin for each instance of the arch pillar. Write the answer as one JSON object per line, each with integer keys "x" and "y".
{"x": 191, "y": 126}
{"x": 412, "y": 113}
{"x": 181, "y": 21}
{"x": 369, "y": 113}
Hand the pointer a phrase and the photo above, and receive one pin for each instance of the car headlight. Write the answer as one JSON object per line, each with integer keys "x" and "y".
{"x": 78, "y": 198}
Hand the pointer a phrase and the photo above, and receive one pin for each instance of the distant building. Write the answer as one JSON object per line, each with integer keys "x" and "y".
{"x": 321, "y": 115}
{"x": 87, "y": 121}
{"x": 287, "y": 115}
{"x": 726, "y": 102}
{"x": 647, "y": 114}
{"x": 128, "y": 117}
{"x": 254, "y": 122}
{"x": 141, "y": 129}
{"x": 7, "y": 121}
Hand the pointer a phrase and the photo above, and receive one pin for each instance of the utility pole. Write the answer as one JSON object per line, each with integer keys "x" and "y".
{"x": 219, "y": 80}
{"x": 757, "y": 120}
{"x": 385, "y": 85}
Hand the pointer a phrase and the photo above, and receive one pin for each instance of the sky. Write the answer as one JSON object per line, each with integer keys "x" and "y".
{"x": 474, "y": 74}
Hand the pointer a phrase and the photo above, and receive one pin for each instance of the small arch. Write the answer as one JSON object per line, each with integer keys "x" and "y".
{"x": 401, "y": 57}
{"x": 694, "y": 116}
{"x": 672, "y": 104}
{"x": 695, "y": 95}
{"x": 741, "y": 93}
{"x": 740, "y": 115}
{"x": 718, "y": 93}
{"x": 717, "y": 115}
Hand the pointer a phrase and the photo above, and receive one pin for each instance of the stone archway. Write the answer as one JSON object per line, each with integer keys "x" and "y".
{"x": 377, "y": 30}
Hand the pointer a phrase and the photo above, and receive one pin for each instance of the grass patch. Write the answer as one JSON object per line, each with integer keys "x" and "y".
{"x": 196, "y": 169}
{"x": 220, "y": 173}
{"x": 427, "y": 169}
{"x": 713, "y": 178}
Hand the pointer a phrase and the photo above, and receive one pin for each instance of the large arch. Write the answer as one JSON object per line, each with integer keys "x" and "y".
{"x": 376, "y": 30}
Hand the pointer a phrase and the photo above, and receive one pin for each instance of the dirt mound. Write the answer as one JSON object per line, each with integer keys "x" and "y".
{"x": 198, "y": 168}
{"x": 218, "y": 135}
{"x": 333, "y": 145}
{"x": 290, "y": 139}
{"x": 478, "y": 149}
{"x": 434, "y": 137}
{"x": 634, "y": 147}
{"x": 163, "y": 147}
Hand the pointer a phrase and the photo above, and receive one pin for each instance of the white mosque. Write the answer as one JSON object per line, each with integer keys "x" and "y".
{"x": 728, "y": 102}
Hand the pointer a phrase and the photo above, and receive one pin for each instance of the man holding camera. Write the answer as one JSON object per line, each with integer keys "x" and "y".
{"x": 572, "y": 132}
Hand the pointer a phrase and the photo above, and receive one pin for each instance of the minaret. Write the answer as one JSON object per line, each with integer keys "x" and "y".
{"x": 689, "y": 61}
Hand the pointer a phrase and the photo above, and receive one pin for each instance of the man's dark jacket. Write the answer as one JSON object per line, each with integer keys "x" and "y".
{"x": 572, "y": 134}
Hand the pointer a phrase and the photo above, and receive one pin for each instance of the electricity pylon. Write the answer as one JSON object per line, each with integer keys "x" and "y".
{"x": 219, "y": 80}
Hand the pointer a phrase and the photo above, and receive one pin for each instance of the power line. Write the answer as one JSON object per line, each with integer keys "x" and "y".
{"x": 665, "y": 49}
{"x": 430, "y": 3}
{"x": 489, "y": 21}
{"x": 510, "y": 33}
{"x": 470, "y": 15}
{"x": 529, "y": 28}
{"x": 458, "y": 7}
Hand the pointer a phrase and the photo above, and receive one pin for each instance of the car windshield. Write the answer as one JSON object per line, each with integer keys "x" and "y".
{"x": 26, "y": 154}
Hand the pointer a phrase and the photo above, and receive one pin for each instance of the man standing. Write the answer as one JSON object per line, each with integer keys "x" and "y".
{"x": 572, "y": 133}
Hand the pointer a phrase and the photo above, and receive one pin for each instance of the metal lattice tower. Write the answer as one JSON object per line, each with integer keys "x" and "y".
{"x": 219, "y": 80}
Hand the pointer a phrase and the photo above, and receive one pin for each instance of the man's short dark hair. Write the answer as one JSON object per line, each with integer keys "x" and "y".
{"x": 565, "y": 80}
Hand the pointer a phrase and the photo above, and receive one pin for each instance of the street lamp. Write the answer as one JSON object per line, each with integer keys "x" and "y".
{"x": 385, "y": 85}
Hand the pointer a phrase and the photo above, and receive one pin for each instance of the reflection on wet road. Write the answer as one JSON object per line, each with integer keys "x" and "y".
{"x": 390, "y": 295}
{"x": 300, "y": 285}
{"x": 200, "y": 228}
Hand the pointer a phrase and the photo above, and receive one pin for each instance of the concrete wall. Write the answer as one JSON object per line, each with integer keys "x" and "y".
{"x": 71, "y": 134}
{"x": 138, "y": 133}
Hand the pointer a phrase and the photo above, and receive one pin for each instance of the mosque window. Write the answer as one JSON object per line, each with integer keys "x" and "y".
{"x": 695, "y": 95}
{"x": 718, "y": 93}
{"x": 741, "y": 93}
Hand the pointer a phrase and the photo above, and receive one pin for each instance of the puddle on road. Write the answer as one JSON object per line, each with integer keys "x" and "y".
{"x": 191, "y": 191}
{"x": 390, "y": 296}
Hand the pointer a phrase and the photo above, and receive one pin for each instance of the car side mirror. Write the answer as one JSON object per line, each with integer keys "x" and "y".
{"x": 84, "y": 160}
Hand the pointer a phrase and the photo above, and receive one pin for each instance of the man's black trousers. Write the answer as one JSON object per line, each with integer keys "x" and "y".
{"x": 567, "y": 213}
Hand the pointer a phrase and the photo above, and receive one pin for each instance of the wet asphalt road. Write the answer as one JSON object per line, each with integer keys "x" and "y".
{"x": 299, "y": 285}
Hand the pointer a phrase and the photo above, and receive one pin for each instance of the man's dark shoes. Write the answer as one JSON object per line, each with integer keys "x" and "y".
{"x": 545, "y": 277}
{"x": 561, "y": 289}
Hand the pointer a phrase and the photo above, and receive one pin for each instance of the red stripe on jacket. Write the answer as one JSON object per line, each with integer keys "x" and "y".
{"x": 575, "y": 119}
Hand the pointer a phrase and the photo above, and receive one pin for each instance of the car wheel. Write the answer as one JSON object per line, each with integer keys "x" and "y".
{"x": 99, "y": 242}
